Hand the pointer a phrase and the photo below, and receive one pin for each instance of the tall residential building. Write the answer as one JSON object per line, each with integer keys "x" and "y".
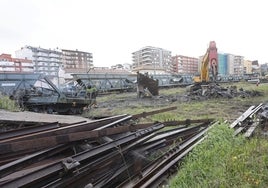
{"x": 235, "y": 64}
{"x": 45, "y": 61}
{"x": 238, "y": 65}
{"x": 255, "y": 67}
{"x": 222, "y": 64}
{"x": 9, "y": 64}
{"x": 152, "y": 60}
{"x": 264, "y": 69}
{"x": 184, "y": 64}
{"x": 75, "y": 61}
{"x": 247, "y": 67}
{"x": 230, "y": 64}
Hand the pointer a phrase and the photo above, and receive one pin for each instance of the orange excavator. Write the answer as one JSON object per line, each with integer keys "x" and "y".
{"x": 209, "y": 65}
{"x": 208, "y": 72}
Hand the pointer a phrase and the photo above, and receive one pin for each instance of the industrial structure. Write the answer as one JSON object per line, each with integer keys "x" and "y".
{"x": 36, "y": 92}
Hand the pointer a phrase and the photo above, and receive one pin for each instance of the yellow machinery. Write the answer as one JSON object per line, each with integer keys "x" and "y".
{"x": 209, "y": 62}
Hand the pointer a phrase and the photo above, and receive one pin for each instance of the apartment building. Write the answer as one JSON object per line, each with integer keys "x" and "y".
{"x": 222, "y": 64}
{"x": 75, "y": 61}
{"x": 10, "y": 64}
{"x": 184, "y": 64}
{"x": 45, "y": 61}
{"x": 152, "y": 60}
{"x": 230, "y": 64}
{"x": 238, "y": 65}
{"x": 247, "y": 67}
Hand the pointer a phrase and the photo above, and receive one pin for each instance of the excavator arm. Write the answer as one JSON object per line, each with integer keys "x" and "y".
{"x": 209, "y": 64}
{"x": 205, "y": 68}
{"x": 213, "y": 60}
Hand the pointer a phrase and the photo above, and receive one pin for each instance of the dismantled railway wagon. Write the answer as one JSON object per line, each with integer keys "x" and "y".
{"x": 36, "y": 92}
{"x": 106, "y": 83}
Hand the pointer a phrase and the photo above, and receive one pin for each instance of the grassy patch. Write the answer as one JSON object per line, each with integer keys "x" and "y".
{"x": 221, "y": 108}
{"x": 7, "y": 104}
{"x": 223, "y": 160}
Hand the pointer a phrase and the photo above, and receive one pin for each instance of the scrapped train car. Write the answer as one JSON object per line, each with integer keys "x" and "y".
{"x": 106, "y": 83}
{"x": 35, "y": 92}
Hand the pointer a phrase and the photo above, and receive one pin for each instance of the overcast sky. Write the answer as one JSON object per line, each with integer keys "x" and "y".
{"x": 113, "y": 29}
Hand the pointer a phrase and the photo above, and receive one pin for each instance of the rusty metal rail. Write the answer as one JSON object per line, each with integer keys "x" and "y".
{"x": 70, "y": 128}
{"x": 102, "y": 153}
{"x": 248, "y": 121}
{"x": 28, "y": 130}
{"x": 158, "y": 167}
{"x": 48, "y": 173}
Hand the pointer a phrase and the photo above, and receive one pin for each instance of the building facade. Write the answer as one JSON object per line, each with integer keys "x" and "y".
{"x": 238, "y": 65}
{"x": 247, "y": 67}
{"x": 152, "y": 60}
{"x": 75, "y": 61}
{"x": 9, "y": 64}
{"x": 222, "y": 64}
{"x": 45, "y": 61}
{"x": 264, "y": 70}
{"x": 184, "y": 64}
{"x": 230, "y": 64}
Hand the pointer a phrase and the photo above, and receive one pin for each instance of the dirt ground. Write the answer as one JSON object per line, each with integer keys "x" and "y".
{"x": 188, "y": 107}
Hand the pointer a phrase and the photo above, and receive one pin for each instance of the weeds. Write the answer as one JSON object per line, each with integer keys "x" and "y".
{"x": 8, "y": 104}
{"x": 223, "y": 160}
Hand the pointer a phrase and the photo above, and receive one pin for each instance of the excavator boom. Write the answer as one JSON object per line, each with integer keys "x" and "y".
{"x": 205, "y": 68}
{"x": 213, "y": 60}
{"x": 209, "y": 64}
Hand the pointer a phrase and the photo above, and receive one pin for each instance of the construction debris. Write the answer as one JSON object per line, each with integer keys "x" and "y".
{"x": 213, "y": 90}
{"x": 147, "y": 87}
{"x": 112, "y": 152}
{"x": 253, "y": 117}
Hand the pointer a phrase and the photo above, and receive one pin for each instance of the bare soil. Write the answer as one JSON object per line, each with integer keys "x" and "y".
{"x": 188, "y": 107}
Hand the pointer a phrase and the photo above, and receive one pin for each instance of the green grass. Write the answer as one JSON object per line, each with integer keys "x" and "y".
{"x": 223, "y": 160}
{"x": 7, "y": 104}
{"x": 221, "y": 108}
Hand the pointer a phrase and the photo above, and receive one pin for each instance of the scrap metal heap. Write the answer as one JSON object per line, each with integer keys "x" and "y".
{"x": 253, "y": 117}
{"x": 117, "y": 151}
{"x": 147, "y": 87}
{"x": 35, "y": 92}
{"x": 214, "y": 90}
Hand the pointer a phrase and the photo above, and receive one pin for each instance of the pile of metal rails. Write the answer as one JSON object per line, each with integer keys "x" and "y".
{"x": 117, "y": 151}
{"x": 250, "y": 120}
